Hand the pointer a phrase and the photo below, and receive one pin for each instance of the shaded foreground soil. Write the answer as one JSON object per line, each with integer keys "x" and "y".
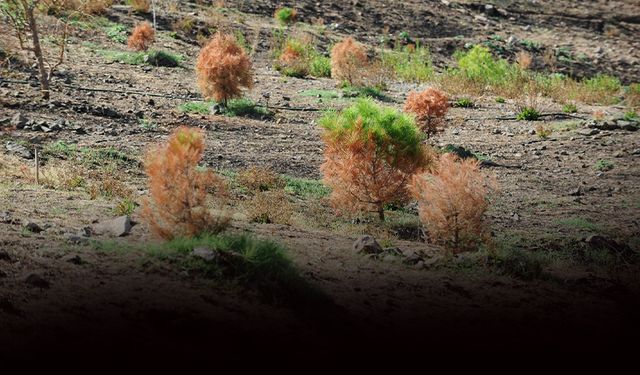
{"x": 117, "y": 304}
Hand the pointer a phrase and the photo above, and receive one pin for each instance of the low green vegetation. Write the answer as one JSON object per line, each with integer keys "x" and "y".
{"x": 528, "y": 114}
{"x": 116, "y": 32}
{"x": 463, "y": 103}
{"x": 236, "y": 107}
{"x": 631, "y": 116}
{"x": 320, "y": 66}
{"x": 285, "y": 16}
{"x": 409, "y": 63}
{"x": 604, "y": 165}
{"x": 580, "y": 223}
{"x": 260, "y": 265}
{"x": 152, "y": 57}
{"x": 94, "y": 156}
{"x": 569, "y": 108}
{"x": 306, "y": 188}
{"x": 500, "y": 100}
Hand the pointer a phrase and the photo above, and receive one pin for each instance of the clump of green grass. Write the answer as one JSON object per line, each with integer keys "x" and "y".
{"x": 285, "y": 15}
{"x": 306, "y": 188}
{"x": 569, "y": 108}
{"x": 480, "y": 66}
{"x": 257, "y": 264}
{"x": 580, "y": 223}
{"x": 528, "y": 114}
{"x": 409, "y": 63}
{"x": 518, "y": 263}
{"x": 604, "y": 165}
{"x": 116, "y": 32}
{"x": 156, "y": 58}
{"x": 500, "y": 100}
{"x": 236, "y": 107}
{"x": 631, "y": 116}
{"x": 324, "y": 94}
{"x": 463, "y": 103}
{"x": 87, "y": 156}
{"x": 124, "y": 207}
{"x": 320, "y": 66}
{"x": 363, "y": 92}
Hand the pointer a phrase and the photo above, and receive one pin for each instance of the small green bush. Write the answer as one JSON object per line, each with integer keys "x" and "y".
{"x": 409, "y": 63}
{"x": 631, "y": 116}
{"x": 604, "y": 165}
{"x": 479, "y": 65}
{"x": 116, "y": 32}
{"x": 463, "y": 103}
{"x": 500, "y": 100}
{"x": 235, "y": 107}
{"x": 569, "y": 108}
{"x": 320, "y": 66}
{"x": 285, "y": 16}
{"x": 528, "y": 114}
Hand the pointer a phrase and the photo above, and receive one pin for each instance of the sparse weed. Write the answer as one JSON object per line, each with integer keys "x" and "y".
{"x": 569, "y": 108}
{"x": 543, "y": 132}
{"x": 604, "y": 165}
{"x": 528, "y": 114}
{"x": 463, "y": 103}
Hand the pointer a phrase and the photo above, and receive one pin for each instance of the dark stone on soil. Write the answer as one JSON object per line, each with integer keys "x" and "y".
{"x": 74, "y": 259}
{"x": 367, "y": 245}
{"x": 32, "y": 227}
{"x": 36, "y": 280}
{"x": 4, "y": 256}
{"x": 19, "y": 120}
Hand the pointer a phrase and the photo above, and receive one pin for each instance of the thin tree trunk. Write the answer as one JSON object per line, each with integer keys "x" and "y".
{"x": 44, "y": 78}
{"x": 381, "y": 211}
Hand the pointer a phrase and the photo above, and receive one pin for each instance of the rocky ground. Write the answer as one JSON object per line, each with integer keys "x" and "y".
{"x": 69, "y": 273}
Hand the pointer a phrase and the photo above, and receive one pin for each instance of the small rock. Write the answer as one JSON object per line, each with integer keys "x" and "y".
{"x": 205, "y": 253}
{"x": 576, "y": 192}
{"x": 420, "y": 265}
{"x": 19, "y": 120}
{"x": 532, "y": 132}
{"x": 73, "y": 258}
{"x": 588, "y": 132}
{"x": 367, "y": 245}
{"x": 413, "y": 259}
{"x": 77, "y": 240}
{"x": 19, "y": 150}
{"x": 31, "y": 226}
{"x": 4, "y": 256}
{"x": 36, "y": 280}
{"x": 118, "y": 227}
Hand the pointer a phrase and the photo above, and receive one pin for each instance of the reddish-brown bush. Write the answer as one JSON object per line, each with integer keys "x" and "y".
{"x": 177, "y": 205}
{"x": 349, "y": 62}
{"x": 141, "y": 6}
{"x": 370, "y": 155}
{"x": 142, "y": 37}
{"x": 223, "y": 68}
{"x": 429, "y": 107}
{"x": 452, "y": 202}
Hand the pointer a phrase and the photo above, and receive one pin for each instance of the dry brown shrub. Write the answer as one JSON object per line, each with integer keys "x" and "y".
{"x": 458, "y": 84}
{"x": 141, "y": 6}
{"x": 452, "y": 202}
{"x": 524, "y": 60}
{"x": 270, "y": 207}
{"x": 96, "y": 6}
{"x": 349, "y": 62}
{"x": 177, "y": 205}
{"x": 257, "y": 179}
{"x": 429, "y": 106}
{"x": 142, "y": 37}
{"x": 223, "y": 68}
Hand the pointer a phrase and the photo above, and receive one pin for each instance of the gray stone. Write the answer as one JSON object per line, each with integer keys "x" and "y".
{"x": 204, "y": 253}
{"x": 20, "y": 150}
{"x": 77, "y": 240}
{"x": 19, "y": 120}
{"x": 413, "y": 258}
{"x": 117, "y": 227}
{"x": 36, "y": 280}
{"x": 367, "y": 245}
{"x": 587, "y": 132}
